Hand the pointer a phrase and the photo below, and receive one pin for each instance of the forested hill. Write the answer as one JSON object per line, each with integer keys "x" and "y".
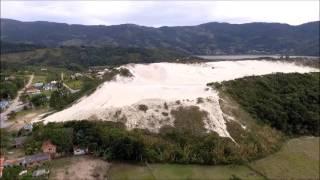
{"x": 18, "y": 47}
{"x": 287, "y": 102}
{"x": 209, "y": 38}
{"x": 77, "y": 58}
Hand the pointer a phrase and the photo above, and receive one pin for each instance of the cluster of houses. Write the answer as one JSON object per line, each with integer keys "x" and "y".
{"x": 49, "y": 152}
{"x": 36, "y": 88}
{"x": 76, "y": 76}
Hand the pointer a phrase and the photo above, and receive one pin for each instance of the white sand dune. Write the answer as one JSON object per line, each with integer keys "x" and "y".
{"x": 154, "y": 84}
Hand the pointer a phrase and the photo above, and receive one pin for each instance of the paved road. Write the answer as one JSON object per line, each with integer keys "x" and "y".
{"x": 15, "y": 105}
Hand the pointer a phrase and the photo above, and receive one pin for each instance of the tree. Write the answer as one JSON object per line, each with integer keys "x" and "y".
{"x": 39, "y": 100}
{"x": 57, "y": 99}
{"x": 8, "y": 89}
{"x": 10, "y": 173}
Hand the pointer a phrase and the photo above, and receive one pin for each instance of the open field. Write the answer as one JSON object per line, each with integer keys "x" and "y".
{"x": 297, "y": 159}
{"x": 74, "y": 84}
{"x": 175, "y": 171}
{"x": 39, "y": 78}
{"x": 171, "y": 171}
{"x": 129, "y": 171}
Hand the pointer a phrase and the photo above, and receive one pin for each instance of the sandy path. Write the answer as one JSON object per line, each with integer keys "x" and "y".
{"x": 16, "y": 103}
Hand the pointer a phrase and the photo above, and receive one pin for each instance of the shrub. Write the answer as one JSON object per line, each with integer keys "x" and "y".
{"x": 143, "y": 107}
{"x": 39, "y": 100}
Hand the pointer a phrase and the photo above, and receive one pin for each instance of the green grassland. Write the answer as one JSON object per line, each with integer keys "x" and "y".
{"x": 74, "y": 84}
{"x": 297, "y": 159}
{"x": 39, "y": 78}
{"x": 176, "y": 171}
{"x": 129, "y": 171}
{"x": 172, "y": 171}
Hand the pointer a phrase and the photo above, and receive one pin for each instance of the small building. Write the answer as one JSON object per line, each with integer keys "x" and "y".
{"x": 4, "y": 104}
{"x": 76, "y": 75}
{"x": 50, "y": 86}
{"x": 40, "y": 172}
{"x": 1, "y": 165}
{"x": 100, "y": 73}
{"x": 38, "y": 85}
{"x": 28, "y": 161}
{"x": 13, "y": 162}
{"x": 12, "y": 77}
{"x": 20, "y": 141}
{"x": 28, "y": 127}
{"x": 35, "y": 159}
{"x": 32, "y": 90}
{"x": 23, "y": 172}
{"x": 48, "y": 147}
{"x": 79, "y": 151}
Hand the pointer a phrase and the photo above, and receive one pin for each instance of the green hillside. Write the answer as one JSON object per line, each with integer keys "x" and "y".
{"x": 77, "y": 58}
{"x": 287, "y": 102}
{"x": 209, "y": 38}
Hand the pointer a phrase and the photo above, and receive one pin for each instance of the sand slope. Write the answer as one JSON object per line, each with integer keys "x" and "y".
{"x": 157, "y": 83}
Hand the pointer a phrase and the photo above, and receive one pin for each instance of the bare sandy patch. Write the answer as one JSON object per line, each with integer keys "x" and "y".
{"x": 80, "y": 168}
{"x": 24, "y": 118}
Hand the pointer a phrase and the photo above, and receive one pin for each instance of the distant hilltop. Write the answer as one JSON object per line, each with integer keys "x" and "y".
{"x": 206, "y": 39}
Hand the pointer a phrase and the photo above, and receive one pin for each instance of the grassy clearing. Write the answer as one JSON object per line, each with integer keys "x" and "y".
{"x": 173, "y": 171}
{"x": 39, "y": 78}
{"x": 74, "y": 84}
{"x": 129, "y": 171}
{"x": 297, "y": 159}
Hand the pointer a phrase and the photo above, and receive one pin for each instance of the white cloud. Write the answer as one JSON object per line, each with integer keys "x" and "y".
{"x": 156, "y": 13}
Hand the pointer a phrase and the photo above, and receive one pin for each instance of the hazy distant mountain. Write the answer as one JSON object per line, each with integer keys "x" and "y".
{"x": 209, "y": 38}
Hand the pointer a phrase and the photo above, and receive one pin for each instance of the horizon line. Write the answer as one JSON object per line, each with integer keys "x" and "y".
{"x": 128, "y": 23}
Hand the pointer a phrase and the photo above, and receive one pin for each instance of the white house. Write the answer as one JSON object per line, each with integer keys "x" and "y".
{"x": 80, "y": 151}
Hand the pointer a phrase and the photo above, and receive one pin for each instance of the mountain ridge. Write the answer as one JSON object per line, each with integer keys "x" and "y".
{"x": 209, "y": 38}
{"x": 211, "y": 22}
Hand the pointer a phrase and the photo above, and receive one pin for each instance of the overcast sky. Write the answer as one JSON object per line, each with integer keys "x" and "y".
{"x": 156, "y": 13}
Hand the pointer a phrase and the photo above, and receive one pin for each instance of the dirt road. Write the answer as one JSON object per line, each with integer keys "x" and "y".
{"x": 14, "y": 105}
